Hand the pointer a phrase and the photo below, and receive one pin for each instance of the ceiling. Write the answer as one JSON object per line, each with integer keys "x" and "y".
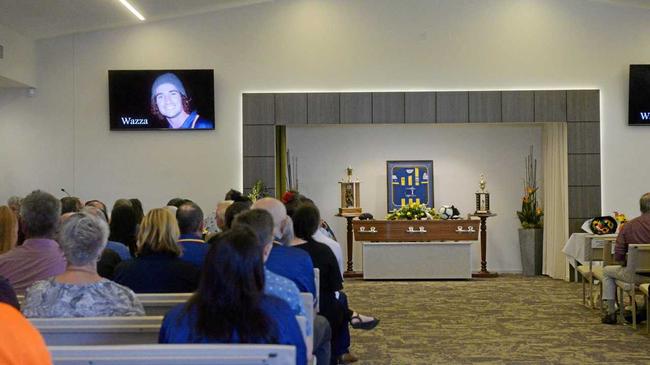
{"x": 38, "y": 19}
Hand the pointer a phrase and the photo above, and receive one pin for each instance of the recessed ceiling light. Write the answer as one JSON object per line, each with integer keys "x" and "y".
{"x": 132, "y": 9}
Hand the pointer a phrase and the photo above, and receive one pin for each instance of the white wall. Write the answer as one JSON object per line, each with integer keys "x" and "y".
{"x": 18, "y": 66}
{"x": 61, "y": 138}
{"x": 460, "y": 153}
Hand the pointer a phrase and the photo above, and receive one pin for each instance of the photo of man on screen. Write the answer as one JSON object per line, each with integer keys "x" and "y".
{"x": 170, "y": 103}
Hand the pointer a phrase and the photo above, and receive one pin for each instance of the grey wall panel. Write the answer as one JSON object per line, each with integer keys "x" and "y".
{"x": 452, "y": 107}
{"x": 584, "y": 169}
{"x": 583, "y": 106}
{"x": 420, "y": 107}
{"x": 484, "y": 106}
{"x": 323, "y": 108}
{"x": 291, "y": 108}
{"x": 256, "y": 168}
{"x": 518, "y": 106}
{"x": 387, "y": 108}
{"x": 550, "y": 106}
{"x": 356, "y": 108}
{"x": 583, "y": 137}
{"x": 259, "y": 109}
{"x": 584, "y": 201}
{"x": 575, "y": 224}
{"x": 259, "y": 140}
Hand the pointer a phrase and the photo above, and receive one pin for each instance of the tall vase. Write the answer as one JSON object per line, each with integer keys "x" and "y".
{"x": 531, "y": 245}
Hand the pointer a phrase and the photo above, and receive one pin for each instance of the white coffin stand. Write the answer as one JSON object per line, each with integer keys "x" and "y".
{"x": 417, "y": 260}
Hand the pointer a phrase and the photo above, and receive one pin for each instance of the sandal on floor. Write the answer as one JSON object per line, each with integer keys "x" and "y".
{"x": 357, "y": 323}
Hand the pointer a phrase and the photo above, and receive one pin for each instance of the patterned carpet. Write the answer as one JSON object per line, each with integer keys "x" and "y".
{"x": 507, "y": 320}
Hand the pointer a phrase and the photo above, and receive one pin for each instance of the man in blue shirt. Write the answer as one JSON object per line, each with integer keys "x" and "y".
{"x": 292, "y": 263}
{"x": 190, "y": 223}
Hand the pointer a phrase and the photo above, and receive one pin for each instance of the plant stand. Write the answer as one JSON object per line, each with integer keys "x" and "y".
{"x": 531, "y": 243}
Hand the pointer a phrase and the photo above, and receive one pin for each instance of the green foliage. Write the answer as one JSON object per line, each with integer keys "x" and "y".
{"x": 531, "y": 213}
{"x": 413, "y": 211}
{"x": 258, "y": 191}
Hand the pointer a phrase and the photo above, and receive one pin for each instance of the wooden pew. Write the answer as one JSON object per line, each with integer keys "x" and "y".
{"x": 99, "y": 330}
{"x": 171, "y": 354}
{"x": 110, "y": 330}
{"x": 159, "y": 304}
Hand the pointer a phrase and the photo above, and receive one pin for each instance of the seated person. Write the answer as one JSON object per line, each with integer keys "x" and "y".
{"x": 40, "y": 256}
{"x": 80, "y": 291}
{"x": 190, "y": 223}
{"x": 292, "y": 263}
{"x": 261, "y": 222}
{"x": 234, "y": 209}
{"x": 123, "y": 224}
{"x": 7, "y": 294}
{"x": 230, "y": 305}
{"x": 157, "y": 267}
{"x": 8, "y": 229}
{"x": 635, "y": 231}
{"x": 21, "y": 343}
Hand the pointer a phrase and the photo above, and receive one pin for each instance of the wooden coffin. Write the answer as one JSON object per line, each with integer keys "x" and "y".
{"x": 416, "y": 231}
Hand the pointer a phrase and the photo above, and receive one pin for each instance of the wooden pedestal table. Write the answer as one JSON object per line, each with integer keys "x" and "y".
{"x": 349, "y": 272}
{"x": 438, "y": 249}
{"x": 484, "y": 273}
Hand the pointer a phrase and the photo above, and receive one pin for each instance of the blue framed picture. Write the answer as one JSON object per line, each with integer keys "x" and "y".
{"x": 409, "y": 182}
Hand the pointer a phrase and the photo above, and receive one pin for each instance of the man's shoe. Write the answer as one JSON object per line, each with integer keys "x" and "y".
{"x": 640, "y": 316}
{"x": 609, "y": 319}
{"x": 348, "y": 358}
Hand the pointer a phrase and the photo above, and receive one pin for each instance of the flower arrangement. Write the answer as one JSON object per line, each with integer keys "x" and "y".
{"x": 413, "y": 211}
{"x": 530, "y": 214}
{"x": 258, "y": 191}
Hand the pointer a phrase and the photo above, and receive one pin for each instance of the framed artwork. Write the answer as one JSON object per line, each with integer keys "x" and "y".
{"x": 409, "y": 182}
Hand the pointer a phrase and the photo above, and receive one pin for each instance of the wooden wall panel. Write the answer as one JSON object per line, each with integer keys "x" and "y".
{"x": 452, "y": 107}
{"x": 583, "y": 137}
{"x": 518, "y": 106}
{"x": 584, "y": 201}
{"x": 256, "y": 168}
{"x": 259, "y": 140}
{"x": 485, "y": 106}
{"x": 387, "y": 108}
{"x": 356, "y": 108}
{"x": 583, "y": 106}
{"x": 584, "y": 169}
{"x": 258, "y": 109}
{"x": 323, "y": 108}
{"x": 420, "y": 107}
{"x": 291, "y": 109}
{"x": 550, "y": 106}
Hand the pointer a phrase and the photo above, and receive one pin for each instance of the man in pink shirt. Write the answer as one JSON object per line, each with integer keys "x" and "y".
{"x": 39, "y": 257}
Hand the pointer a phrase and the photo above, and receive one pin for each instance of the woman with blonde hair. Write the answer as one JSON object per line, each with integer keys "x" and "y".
{"x": 157, "y": 267}
{"x": 8, "y": 229}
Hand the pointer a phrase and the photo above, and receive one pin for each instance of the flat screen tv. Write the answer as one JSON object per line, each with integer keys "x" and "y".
{"x": 639, "y": 107}
{"x": 161, "y": 99}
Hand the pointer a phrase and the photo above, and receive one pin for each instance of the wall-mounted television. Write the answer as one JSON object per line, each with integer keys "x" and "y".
{"x": 639, "y": 102}
{"x": 161, "y": 99}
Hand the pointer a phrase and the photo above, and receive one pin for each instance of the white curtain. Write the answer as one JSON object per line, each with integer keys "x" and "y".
{"x": 555, "y": 198}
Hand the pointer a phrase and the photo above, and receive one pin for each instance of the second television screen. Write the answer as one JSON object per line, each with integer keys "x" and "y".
{"x": 161, "y": 99}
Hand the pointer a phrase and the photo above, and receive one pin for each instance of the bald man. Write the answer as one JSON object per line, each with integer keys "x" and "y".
{"x": 292, "y": 263}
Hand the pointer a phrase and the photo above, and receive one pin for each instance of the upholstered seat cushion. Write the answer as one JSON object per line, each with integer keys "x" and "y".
{"x": 598, "y": 273}
{"x": 584, "y": 271}
{"x": 624, "y": 285}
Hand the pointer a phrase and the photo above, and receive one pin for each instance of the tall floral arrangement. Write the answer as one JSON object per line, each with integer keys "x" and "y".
{"x": 531, "y": 213}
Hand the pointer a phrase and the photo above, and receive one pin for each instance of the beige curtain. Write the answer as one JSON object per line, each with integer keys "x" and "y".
{"x": 555, "y": 198}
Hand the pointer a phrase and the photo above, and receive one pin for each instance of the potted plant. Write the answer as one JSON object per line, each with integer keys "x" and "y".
{"x": 531, "y": 233}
